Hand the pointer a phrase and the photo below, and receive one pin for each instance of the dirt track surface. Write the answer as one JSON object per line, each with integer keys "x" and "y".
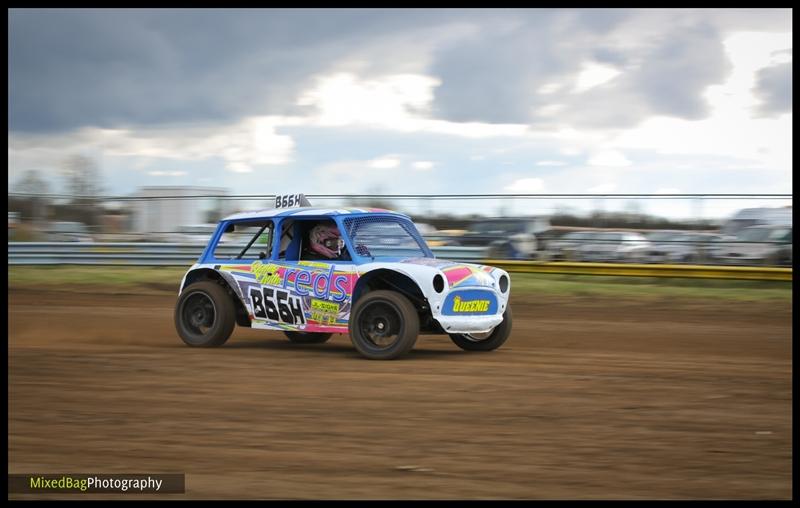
{"x": 588, "y": 399}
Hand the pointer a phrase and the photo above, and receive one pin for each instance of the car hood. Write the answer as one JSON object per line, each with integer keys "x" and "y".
{"x": 458, "y": 274}
{"x": 672, "y": 247}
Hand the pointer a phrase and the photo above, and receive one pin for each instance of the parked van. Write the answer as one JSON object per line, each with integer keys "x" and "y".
{"x": 757, "y": 217}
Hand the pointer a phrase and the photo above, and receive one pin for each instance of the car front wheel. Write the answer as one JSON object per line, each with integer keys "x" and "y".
{"x": 488, "y": 341}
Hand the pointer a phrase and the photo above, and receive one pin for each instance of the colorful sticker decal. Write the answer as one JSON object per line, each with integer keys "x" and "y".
{"x": 458, "y": 273}
{"x": 436, "y": 263}
{"x": 460, "y": 305}
{"x": 283, "y": 296}
{"x": 324, "y": 312}
{"x": 470, "y": 302}
{"x": 468, "y": 275}
{"x": 277, "y": 305}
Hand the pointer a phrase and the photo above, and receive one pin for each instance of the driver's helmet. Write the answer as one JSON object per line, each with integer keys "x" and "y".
{"x": 326, "y": 240}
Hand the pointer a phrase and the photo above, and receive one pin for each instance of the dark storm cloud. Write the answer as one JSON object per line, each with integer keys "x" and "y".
{"x": 673, "y": 77}
{"x": 609, "y": 56}
{"x": 493, "y": 81}
{"x": 601, "y": 20}
{"x": 666, "y": 78}
{"x": 662, "y": 73}
{"x": 774, "y": 88}
{"x": 117, "y": 68}
{"x": 70, "y": 68}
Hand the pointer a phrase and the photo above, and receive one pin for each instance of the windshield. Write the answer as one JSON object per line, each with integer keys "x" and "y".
{"x": 578, "y": 235}
{"x": 608, "y": 237}
{"x": 754, "y": 234}
{"x": 664, "y": 236}
{"x": 68, "y": 227}
{"x": 385, "y": 237}
{"x": 499, "y": 227}
{"x": 736, "y": 225}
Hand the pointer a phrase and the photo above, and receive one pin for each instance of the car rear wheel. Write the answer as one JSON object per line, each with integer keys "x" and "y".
{"x": 205, "y": 315}
{"x": 383, "y": 325}
{"x": 488, "y": 341}
{"x": 308, "y": 337}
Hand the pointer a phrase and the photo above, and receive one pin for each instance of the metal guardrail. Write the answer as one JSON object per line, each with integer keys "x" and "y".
{"x": 156, "y": 254}
{"x": 648, "y": 270}
{"x": 172, "y": 254}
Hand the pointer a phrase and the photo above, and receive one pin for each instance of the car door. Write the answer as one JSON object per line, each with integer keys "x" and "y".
{"x": 318, "y": 291}
{"x": 245, "y": 253}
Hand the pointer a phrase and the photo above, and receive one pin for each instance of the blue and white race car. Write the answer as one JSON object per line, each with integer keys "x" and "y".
{"x": 312, "y": 272}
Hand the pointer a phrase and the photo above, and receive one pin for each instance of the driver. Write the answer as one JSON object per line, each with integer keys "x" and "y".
{"x": 325, "y": 242}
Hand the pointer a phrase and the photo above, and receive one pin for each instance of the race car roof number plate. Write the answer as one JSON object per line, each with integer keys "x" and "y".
{"x": 291, "y": 200}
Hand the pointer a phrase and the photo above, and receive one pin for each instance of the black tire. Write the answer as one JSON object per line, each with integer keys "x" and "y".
{"x": 496, "y": 338}
{"x": 383, "y": 325}
{"x": 205, "y": 315}
{"x": 774, "y": 259}
{"x": 308, "y": 337}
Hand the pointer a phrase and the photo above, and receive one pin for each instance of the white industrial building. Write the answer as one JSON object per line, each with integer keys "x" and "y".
{"x": 167, "y": 209}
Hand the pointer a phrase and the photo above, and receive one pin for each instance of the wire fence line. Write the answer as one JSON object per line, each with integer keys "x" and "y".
{"x": 218, "y": 202}
{"x": 403, "y": 196}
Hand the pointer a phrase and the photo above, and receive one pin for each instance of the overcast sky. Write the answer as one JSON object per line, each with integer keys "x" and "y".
{"x": 406, "y": 101}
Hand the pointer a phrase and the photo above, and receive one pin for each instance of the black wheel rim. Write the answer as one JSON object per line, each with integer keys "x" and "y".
{"x": 380, "y": 325}
{"x": 199, "y": 313}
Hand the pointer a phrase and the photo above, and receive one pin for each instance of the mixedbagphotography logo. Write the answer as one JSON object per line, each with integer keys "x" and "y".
{"x": 83, "y": 483}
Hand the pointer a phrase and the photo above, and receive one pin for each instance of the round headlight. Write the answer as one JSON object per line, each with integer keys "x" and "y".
{"x": 438, "y": 283}
{"x": 503, "y": 284}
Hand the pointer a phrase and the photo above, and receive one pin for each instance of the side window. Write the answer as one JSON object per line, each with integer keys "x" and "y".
{"x": 246, "y": 240}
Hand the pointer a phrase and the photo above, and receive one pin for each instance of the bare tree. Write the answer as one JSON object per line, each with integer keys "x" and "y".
{"x": 33, "y": 206}
{"x": 32, "y": 183}
{"x": 82, "y": 177}
{"x": 373, "y": 199}
{"x": 83, "y": 182}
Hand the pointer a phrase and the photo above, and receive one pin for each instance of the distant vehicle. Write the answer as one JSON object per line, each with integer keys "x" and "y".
{"x": 509, "y": 238}
{"x": 613, "y": 246}
{"x": 63, "y": 231}
{"x": 564, "y": 247}
{"x": 681, "y": 246}
{"x": 13, "y": 222}
{"x": 757, "y": 217}
{"x": 193, "y": 233}
{"x": 434, "y": 237}
{"x": 758, "y": 245}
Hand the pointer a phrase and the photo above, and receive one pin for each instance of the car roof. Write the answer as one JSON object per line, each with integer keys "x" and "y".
{"x": 506, "y": 219}
{"x": 310, "y": 210}
{"x": 769, "y": 226}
